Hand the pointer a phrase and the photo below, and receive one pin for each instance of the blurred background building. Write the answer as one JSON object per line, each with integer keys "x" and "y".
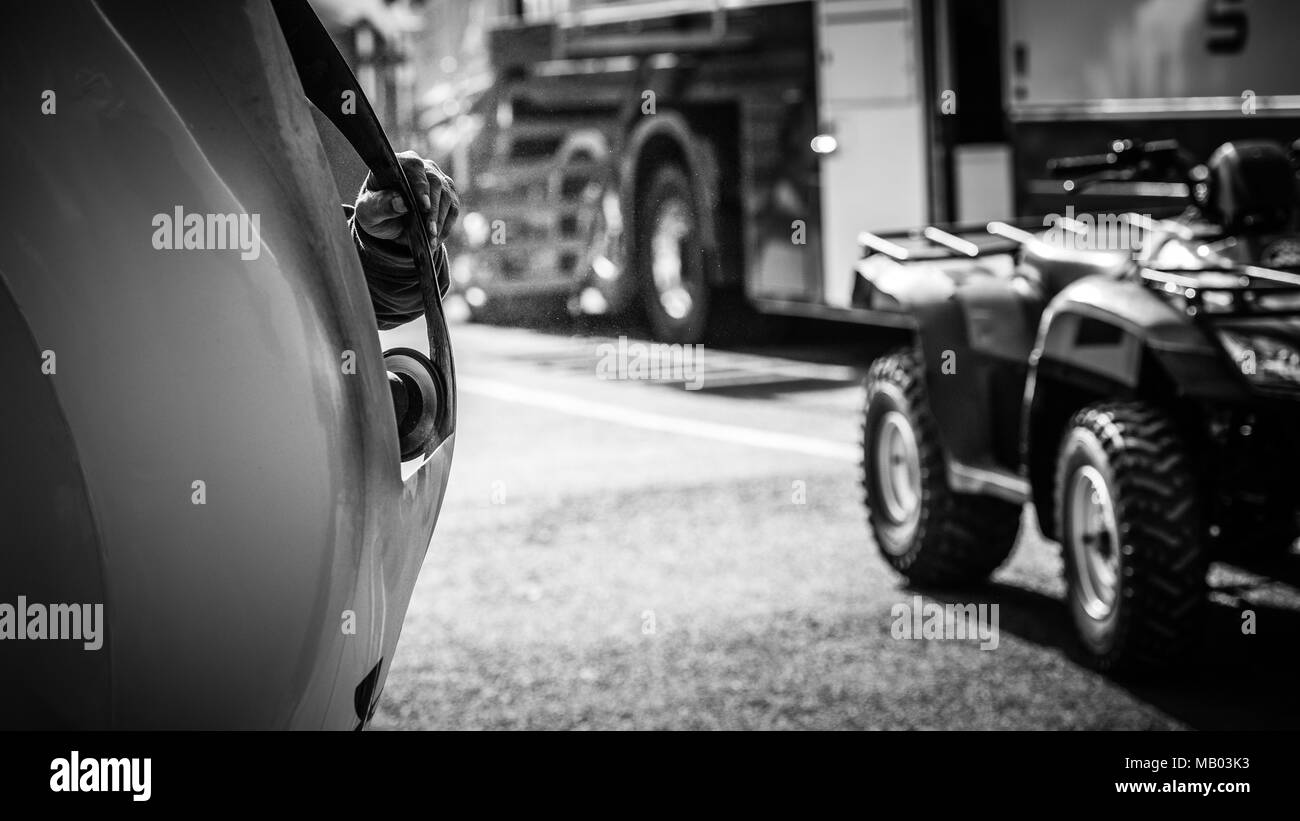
{"x": 419, "y": 61}
{"x": 423, "y": 62}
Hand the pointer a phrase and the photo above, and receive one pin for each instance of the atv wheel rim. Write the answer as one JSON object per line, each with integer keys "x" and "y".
{"x": 672, "y": 226}
{"x": 898, "y": 468}
{"x": 1094, "y": 542}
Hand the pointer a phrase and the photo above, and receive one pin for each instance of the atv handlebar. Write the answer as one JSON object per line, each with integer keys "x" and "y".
{"x": 1126, "y": 159}
{"x": 1069, "y": 167}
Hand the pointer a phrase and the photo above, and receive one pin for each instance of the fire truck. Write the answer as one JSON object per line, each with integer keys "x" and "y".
{"x": 707, "y": 160}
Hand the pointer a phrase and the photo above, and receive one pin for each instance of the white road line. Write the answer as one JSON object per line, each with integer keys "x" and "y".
{"x": 752, "y": 437}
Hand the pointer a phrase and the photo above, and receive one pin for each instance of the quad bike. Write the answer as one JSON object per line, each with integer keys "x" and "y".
{"x": 1143, "y": 403}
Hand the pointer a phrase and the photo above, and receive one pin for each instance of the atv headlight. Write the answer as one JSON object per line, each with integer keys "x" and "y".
{"x": 1264, "y": 360}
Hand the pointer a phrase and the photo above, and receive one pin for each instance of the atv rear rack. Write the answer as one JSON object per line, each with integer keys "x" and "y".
{"x": 948, "y": 242}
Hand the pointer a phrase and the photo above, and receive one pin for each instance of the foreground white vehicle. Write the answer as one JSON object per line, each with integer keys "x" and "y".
{"x": 201, "y": 440}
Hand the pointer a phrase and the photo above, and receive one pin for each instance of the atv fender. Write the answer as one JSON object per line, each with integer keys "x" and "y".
{"x": 1111, "y": 338}
{"x": 975, "y": 324}
{"x": 1101, "y": 328}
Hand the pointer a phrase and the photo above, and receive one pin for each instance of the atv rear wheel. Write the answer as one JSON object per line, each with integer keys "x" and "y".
{"x": 925, "y": 530}
{"x": 1135, "y": 555}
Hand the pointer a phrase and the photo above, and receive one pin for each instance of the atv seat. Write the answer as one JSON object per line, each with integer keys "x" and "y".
{"x": 1052, "y": 267}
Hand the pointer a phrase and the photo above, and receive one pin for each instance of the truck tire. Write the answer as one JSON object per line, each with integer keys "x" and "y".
{"x": 670, "y": 259}
{"x": 924, "y": 530}
{"x": 1134, "y": 550}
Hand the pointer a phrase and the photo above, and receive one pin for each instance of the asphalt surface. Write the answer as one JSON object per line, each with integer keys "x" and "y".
{"x": 632, "y": 554}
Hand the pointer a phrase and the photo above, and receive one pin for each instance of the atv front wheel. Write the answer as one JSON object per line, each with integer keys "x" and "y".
{"x": 1135, "y": 557}
{"x": 925, "y": 530}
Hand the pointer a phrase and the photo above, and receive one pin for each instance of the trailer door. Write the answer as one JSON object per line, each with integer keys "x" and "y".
{"x": 870, "y": 101}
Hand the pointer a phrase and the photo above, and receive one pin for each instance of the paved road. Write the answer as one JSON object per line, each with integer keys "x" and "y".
{"x": 633, "y": 554}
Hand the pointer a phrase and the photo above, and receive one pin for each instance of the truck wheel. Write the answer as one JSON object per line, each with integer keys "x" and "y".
{"x": 924, "y": 529}
{"x": 1135, "y": 557}
{"x": 670, "y": 259}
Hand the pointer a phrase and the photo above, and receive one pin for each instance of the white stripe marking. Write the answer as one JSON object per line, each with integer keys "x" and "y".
{"x": 751, "y": 437}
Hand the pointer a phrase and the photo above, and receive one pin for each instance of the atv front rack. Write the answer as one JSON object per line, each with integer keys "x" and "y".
{"x": 1239, "y": 291}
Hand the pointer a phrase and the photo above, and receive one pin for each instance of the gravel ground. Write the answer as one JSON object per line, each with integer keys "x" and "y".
{"x": 637, "y": 579}
{"x": 542, "y": 620}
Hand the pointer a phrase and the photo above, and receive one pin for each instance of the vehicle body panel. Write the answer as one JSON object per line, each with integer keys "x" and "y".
{"x": 870, "y": 99}
{"x": 184, "y": 366}
{"x": 975, "y": 324}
